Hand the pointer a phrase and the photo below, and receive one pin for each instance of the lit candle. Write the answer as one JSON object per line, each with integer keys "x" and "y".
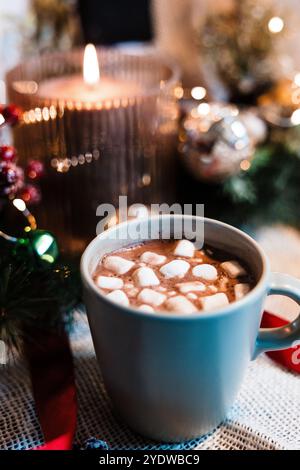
{"x": 88, "y": 88}
{"x": 100, "y": 133}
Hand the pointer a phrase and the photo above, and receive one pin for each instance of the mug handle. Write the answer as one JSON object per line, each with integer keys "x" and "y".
{"x": 271, "y": 339}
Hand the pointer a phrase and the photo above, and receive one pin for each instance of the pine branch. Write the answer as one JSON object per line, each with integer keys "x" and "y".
{"x": 33, "y": 297}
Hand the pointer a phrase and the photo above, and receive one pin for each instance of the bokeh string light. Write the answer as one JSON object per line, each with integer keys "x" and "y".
{"x": 41, "y": 243}
{"x": 276, "y": 24}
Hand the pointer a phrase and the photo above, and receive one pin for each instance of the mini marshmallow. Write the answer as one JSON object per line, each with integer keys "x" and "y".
{"x": 191, "y": 296}
{"x": 223, "y": 284}
{"x": 196, "y": 286}
{"x": 241, "y": 290}
{"x": 180, "y": 304}
{"x": 145, "y": 277}
{"x": 213, "y": 288}
{"x": 233, "y": 269}
{"x": 215, "y": 301}
{"x": 184, "y": 248}
{"x": 111, "y": 283}
{"x": 128, "y": 285}
{"x": 177, "y": 267}
{"x": 162, "y": 289}
{"x": 146, "y": 308}
{"x": 196, "y": 260}
{"x": 119, "y": 297}
{"x": 172, "y": 293}
{"x": 205, "y": 271}
{"x": 117, "y": 265}
{"x": 152, "y": 258}
{"x": 151, "y": 297}
{"x": 133, "y": 292}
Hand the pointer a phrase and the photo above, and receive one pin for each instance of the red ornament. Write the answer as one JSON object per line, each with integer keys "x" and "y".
{"x": 11, "y": 178}
{"x": 30, "y": 194}
{"x": 12, "y": 114}
{"x": 8, "y": 153}
{"x": 35, "y": 169}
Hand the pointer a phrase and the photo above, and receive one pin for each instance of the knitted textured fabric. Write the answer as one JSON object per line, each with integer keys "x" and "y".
{"x": 266, "y": 414}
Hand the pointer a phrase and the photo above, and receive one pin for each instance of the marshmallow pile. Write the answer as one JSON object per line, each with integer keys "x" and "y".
{"x": 182, "y": 281}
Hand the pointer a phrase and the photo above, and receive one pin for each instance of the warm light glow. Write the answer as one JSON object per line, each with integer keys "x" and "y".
{"x": 2, "y": 120}
{"x": 203, "y": 109}
{"x": 245, "y": 165}
{"x": 91, "y": 74}
{"x": 146, "y": 179}
{"x": 276, "y": 24}
{"x": 178, "y": 92}
{"x": 297, "y": 79}
{"x": 19, "y": 204}
{"x": 238, "y": 129}
{"x": 295, "y": 118}
{"x": 26, "y": 87}
{"x": 198, "y": 92}
{"x": 45, "y": 113}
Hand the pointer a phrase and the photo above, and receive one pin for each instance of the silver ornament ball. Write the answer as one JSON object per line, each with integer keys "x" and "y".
{"x": 215, "y": 142}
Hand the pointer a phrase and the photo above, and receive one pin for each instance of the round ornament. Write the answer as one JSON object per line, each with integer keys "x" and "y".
{"x": 11, "y": 178}
{"x": 215, "y": 142}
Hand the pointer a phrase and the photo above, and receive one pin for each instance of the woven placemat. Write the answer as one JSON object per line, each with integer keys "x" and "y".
{"x": 266, "y": 414}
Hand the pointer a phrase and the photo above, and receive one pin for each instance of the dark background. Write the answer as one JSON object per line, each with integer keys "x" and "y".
{"x": 111, "y": 21}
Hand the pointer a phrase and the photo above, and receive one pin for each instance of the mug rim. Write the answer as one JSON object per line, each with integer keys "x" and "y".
{"x": 89, "y": 283}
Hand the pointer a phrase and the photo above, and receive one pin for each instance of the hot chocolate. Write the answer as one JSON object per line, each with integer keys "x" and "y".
{"x": 172, "y": 277}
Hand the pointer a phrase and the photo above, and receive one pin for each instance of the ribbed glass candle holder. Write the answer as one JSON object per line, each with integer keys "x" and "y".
{"x": 96, "y": 150}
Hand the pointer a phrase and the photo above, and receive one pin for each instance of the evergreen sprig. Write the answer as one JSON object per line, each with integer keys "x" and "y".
{"x": 269, "y": 192}
{"x": 34, "y": 297}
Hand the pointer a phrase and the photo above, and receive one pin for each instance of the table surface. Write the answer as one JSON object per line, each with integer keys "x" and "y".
{"x": 266, "y": 414}
{"x": 282, "y": 245}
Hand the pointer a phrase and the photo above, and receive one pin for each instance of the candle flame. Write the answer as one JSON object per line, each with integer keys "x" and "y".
{"x": 91, "y": 73}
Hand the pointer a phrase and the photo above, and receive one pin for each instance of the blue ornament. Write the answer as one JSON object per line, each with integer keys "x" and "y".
{"x": 95, "y": 444}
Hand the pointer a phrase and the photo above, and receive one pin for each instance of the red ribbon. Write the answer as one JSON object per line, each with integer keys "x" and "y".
{"x": 53, "y": 383}
{"x": 289, "y": 358}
